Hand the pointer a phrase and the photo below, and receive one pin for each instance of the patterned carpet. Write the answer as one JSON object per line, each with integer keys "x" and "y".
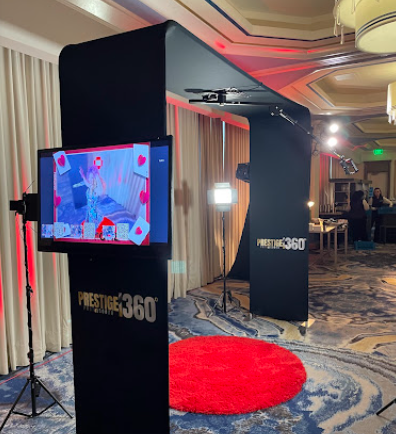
{"x": 348, "y": 351}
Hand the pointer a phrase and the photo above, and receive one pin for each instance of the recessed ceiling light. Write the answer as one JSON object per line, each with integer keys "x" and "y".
{"x": 333, "y": 128}
{"x": 344, "y": 77}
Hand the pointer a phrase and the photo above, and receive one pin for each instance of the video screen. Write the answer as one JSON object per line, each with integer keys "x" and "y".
{"x": 107, "y": 195}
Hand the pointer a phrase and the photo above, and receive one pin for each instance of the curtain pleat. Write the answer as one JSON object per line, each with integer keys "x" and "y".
{"x": 211, "y": 139}
{"x": 236, "y": 151}
{"x": 187, "y": 254}
{"x": 29, "y": 120}
{"x": 197, "y": 165}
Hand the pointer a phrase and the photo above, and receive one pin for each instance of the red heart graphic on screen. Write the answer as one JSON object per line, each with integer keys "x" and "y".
{"x": 144, "y": 196}
{"x": 58, "y": 200}
{"x": 141, "y": 160}
{"x": 138, "y": 230}
{"x": 62, "y": 160}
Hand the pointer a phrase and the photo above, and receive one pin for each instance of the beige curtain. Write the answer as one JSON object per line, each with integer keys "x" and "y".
{"x": 29, "y": 120}
{"x": 187, "y": 241}
{"x": 177, "y": 274}
{"x": 236, "y": 150}
{"x": 211, "y": 139}
{"x": 196, "y": 227}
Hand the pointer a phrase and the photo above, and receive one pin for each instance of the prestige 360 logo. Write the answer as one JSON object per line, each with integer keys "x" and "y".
{"x": 124, "y": 305}
{"x": 285, "y": 243}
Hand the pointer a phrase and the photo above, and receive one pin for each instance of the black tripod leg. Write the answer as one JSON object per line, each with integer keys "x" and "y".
{"x": 218, "y": 305}
{"x": 53, "y": 397}
{"x": 386, "y": 406}
{"x": 15, "y": 404}
{"x": 233, "y": 299}
{"x": 303, "y": 328}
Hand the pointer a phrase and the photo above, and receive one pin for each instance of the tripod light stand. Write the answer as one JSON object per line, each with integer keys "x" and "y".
{"x": 223, "y": 196}
{"x": 22, "y": 207}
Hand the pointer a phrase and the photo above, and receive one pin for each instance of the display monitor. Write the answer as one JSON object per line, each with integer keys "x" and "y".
{"x": 106, "y": 197}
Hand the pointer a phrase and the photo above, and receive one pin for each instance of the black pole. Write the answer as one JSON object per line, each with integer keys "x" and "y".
{"x": 35, "y": 383}
{"x": 29, "y": 293}
{"x": 224, "y": 269}
{"x": 386, "y": 407}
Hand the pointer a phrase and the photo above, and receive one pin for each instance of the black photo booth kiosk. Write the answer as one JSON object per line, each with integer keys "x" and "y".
{"x": 113, "y": 90}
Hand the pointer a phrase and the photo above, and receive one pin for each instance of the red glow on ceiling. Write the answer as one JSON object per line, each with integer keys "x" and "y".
{"x": 292, "y": 69}
{"x": 220, "y": 45}
{"x": 285, "y": 50}
{"x": 358, "y": 146}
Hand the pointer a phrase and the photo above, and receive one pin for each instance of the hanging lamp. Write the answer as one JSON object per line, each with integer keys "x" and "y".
{"x": 391, "y": 108}
{"x": 374, "y": 22}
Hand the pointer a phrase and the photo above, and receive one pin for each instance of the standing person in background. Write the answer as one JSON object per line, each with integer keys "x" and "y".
{"x": 377, "y": 202}
{"x": 357, "y": 217}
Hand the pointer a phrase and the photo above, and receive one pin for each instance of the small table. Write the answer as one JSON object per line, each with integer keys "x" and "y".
{"x": 337, "y": 230}
{"x": 326, "y": 230}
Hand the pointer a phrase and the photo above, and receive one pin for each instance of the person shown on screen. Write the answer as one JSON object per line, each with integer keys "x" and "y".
{"x": 357, "y": 217}
{"x": 378, "y": 201}
{"x": 96, "y": 187}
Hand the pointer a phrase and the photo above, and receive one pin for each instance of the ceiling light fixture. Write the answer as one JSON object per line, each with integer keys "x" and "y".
{"x": 332, "y": 141}
{"x": 333, "y": 128}
{"x": 374, "y": 22}
{"x": 391, "y": 107}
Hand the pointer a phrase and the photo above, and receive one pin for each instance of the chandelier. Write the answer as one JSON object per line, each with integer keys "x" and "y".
{"x": 374, "y": 22}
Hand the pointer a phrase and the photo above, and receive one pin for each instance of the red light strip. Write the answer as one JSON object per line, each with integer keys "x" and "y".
{"x": 285, "y": 50}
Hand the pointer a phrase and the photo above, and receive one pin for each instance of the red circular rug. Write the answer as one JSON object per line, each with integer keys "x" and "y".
{"x": 231, "y": 375}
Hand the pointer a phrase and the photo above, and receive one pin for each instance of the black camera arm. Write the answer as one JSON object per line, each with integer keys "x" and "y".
{"x": 346, "y": 163}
